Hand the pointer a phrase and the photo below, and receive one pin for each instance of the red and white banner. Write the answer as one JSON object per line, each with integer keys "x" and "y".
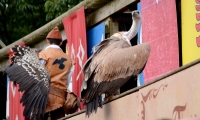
{"x": 15, "y": 108}
{"x": 75, "y": 29}
{"x": 162, "y": 34}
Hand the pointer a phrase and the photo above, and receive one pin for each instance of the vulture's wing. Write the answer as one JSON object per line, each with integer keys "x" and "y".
{"x": 120, "y": 62}
{"x": 110, "y": 67}
{"x": 33, "y": 79}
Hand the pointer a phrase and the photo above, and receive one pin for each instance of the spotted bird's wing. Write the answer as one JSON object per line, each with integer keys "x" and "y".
{"x": 33, "y": 79}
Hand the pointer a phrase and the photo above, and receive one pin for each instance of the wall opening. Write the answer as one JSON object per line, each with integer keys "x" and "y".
{"x": 178, "y": 13}
{"x": 3, "y": 89}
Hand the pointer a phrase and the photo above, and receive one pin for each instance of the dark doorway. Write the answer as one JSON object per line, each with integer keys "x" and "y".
{"x": 3, "y": 89}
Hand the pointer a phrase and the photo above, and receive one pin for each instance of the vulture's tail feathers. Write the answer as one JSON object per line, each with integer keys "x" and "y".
{"x": 93, "y": 105}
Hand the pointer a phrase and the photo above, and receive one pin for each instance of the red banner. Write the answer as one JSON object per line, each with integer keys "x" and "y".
{"x": 75, "y": 29}
{"x": 15, "y": 108}
{"x": 159, "y": 28}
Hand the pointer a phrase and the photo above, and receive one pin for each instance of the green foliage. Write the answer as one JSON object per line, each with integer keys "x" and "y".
{"x": 55, "y": 8}
{"x": 21, "y": 17}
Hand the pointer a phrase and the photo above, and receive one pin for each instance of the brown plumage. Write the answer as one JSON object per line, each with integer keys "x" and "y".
{"x": 112, "y": 65}
{"x": 33, "y": 79}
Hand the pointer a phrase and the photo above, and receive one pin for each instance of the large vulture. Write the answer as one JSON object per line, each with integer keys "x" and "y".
{"x": 112, "y": 65}
{"x": 33, "y": 79}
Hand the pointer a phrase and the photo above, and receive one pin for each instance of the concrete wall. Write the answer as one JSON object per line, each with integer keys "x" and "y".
{"x": 175, "y": 95}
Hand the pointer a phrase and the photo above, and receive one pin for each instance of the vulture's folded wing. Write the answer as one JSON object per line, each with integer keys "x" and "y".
{"x": 122, "y": 62}
{"x": 116, "y": 60}
{"x": 112, "y": 66}
{"x": 109, "y": 68}
{"x": 33, "y": 79}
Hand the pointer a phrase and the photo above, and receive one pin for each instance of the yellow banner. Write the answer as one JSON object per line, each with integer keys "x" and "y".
{"x": 190, "y": 10}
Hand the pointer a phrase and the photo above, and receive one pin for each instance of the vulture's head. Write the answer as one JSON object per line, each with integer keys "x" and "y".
{"x": 128, "y": 35}
{"x": 136, "y": 15}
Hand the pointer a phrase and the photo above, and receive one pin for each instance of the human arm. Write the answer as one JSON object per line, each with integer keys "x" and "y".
{"x": 69, "y": 80}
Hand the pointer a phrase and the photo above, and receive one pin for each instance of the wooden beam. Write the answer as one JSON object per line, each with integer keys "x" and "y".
{"x": 106, "y": 11}
{"x": 4, "y": 63}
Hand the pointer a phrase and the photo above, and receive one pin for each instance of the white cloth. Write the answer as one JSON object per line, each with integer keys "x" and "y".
{"x": 52, "y": 46}
{"x": 70, "y": 78}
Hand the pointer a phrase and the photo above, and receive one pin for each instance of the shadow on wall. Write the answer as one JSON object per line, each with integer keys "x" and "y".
{"x": 191, "y": 118}
{"x": 164, "y": 119}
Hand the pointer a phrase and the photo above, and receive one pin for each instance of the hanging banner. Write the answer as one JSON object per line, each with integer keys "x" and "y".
{"x": 190, "y": 12}
{"x": 7, "y": 100}
{"x": 159, "y": 29}
{"x": 94, "y": 37}
{"x": 75, "y": 29}
{"x": 15, "y": 108}
{"x": 141, "y": 76}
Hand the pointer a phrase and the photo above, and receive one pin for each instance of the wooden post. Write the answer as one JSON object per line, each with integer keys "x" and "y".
{"x": 2, "y": 44}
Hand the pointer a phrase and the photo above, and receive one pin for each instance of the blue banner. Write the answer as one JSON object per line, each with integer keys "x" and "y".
{"x": 94, "y": 37}
{"x": 141, "y": 76}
